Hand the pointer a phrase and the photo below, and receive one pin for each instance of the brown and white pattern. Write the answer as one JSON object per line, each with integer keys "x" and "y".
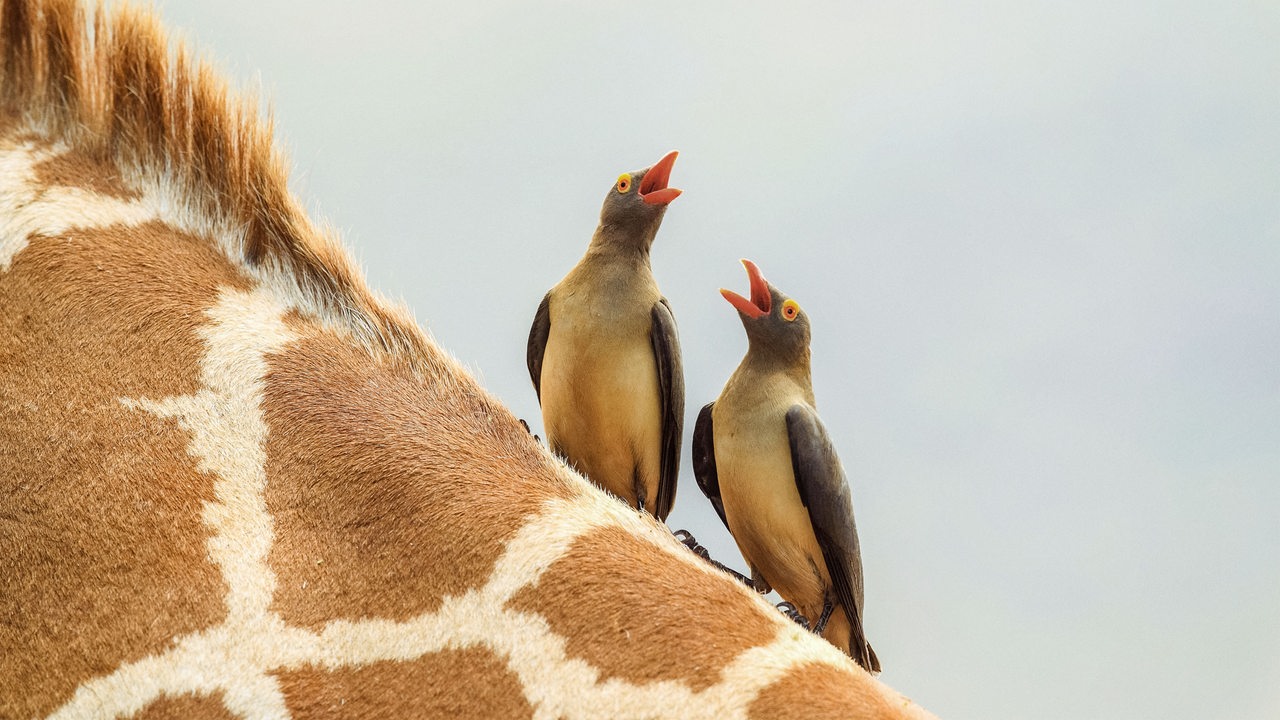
{"x": 236, "y": 483}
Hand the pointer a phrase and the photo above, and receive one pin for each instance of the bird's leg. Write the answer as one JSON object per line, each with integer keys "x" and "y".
{"x": 827, "y": 608}
{"x": 686, "y": 538}
{"x": 792, "y": 612}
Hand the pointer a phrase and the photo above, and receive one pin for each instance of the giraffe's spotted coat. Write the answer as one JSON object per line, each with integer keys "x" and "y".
{"x": 102, "y": 531}
{"x": 614, "y": 632}
{"x": 384, "y": 548}
{"x": 241, "y": 484}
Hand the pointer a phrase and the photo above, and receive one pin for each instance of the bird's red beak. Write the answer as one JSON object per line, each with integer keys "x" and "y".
{"x": 653, "y": 186}
{"x": 761, "y": 301}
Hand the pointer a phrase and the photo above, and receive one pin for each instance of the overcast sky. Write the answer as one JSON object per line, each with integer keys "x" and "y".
{"x": 1039, "y": 244}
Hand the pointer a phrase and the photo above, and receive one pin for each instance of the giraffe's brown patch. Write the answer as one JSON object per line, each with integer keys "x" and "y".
{"x": 672, "y": 621}
{"x": 469, "y": 683}
{"x": 389, "y": 490}
{"x": 185, "y": 707}
{"x": 78, "y": 169}
{"x": 816, "y": 691}
{"x": 102, "y": 545}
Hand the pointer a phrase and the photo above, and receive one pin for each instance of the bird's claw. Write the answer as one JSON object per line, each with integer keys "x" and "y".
{"x": 525, "y": 425}
{"x": 686, "y": 538}
{"x": 790, "y": 611}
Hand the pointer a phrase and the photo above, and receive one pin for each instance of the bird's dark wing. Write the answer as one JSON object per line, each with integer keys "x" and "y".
{"x": 666, "y": 354}
{"x": 704, "y": 460}
{"x": 538, "y": 343}
{"x": 825, "y": 493}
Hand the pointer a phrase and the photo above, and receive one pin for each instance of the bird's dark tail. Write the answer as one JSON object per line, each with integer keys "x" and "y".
{"x": 873, "y": 662}
{"x": 861, "y": 652}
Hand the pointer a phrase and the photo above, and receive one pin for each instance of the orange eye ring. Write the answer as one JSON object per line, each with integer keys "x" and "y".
{"x": 790, "y": 310}
{"x": 624, "y": 182}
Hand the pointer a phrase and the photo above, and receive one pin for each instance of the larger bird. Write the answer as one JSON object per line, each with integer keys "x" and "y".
{"x": 604, "y": 356}
{"x": 766, "y": 463}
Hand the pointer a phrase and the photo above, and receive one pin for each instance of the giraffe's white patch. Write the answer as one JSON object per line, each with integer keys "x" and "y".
{"x": 228, "y": 438}
{"x": 27, "y": 208}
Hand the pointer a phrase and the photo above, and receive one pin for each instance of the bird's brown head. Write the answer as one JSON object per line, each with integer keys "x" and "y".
{"x": 634, "y": 207}
{"x": 777, "y": 328}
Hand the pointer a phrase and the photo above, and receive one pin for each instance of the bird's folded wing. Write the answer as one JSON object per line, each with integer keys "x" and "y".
{"x": 666, "y": 354}
{"x": 704, "y": 460}
{"x": 538, "y": 343}
{"x": 825, "y": 494}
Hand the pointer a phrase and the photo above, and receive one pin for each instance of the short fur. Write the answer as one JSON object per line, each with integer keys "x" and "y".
{"x": 235, "y": 482}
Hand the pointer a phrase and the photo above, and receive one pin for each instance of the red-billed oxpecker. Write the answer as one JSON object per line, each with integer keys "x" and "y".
{"x": 766, "y": 463}
{"x": 604, "y": 356}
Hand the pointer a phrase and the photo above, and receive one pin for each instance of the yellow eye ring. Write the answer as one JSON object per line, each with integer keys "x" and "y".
{"x": 624, "y": 182}
{"x": 790, "y": 310}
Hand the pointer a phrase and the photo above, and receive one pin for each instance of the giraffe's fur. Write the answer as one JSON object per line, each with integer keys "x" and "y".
{"x": 236, "y": 483}
{"x": 111, "y": 90}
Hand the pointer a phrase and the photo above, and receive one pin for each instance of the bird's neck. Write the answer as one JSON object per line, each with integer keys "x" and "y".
{"x": 794, "y": 366}
{"x": 622, "y": 243}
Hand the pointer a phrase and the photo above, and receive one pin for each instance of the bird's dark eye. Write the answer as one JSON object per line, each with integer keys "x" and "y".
{"x": 790, "y": 310}
{"x": 624, "y": 182}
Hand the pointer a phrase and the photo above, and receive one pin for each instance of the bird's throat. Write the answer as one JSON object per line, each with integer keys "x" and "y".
{"x": 624, "y": 242}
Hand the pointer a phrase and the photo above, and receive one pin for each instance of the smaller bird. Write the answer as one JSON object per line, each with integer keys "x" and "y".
{"x": 604, "y": 355}
{"x": 766, "y": 463}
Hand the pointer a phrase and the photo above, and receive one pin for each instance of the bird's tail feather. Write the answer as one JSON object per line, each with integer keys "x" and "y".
{"x": 873, "y": 662}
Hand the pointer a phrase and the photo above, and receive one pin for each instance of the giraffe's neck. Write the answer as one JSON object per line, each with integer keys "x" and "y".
{"x": 237, "y": 480}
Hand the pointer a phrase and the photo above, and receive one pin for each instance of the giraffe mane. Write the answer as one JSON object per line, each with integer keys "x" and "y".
{"x": 109, "y": 87}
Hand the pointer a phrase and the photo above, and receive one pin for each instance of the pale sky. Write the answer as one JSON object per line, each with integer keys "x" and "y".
{"x": 1039, "y": 244}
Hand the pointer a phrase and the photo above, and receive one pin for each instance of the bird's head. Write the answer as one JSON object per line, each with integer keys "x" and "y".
{"x": 634, "y": 207}
{"x": 777, "y": 329}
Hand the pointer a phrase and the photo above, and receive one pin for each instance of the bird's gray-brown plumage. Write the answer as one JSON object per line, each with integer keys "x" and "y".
{"x": 604, "y": 355}
{"x": 765, "y": 461}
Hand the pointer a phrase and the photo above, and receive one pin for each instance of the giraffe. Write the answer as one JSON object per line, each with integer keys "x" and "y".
{"x": 236, "y": 482}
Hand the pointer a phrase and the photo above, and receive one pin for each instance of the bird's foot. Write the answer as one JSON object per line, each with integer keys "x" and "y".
{"x": 525, "y": 425}
{"x": 790, "y": 611}
{"x": 686, "y": 538}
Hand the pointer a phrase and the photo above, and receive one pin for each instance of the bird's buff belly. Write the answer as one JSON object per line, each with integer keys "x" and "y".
{"x": 771, "y": 525}
{"x": 601, "y": 411}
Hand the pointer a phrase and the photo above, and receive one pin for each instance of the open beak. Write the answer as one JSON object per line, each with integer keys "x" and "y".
{"x": 761, "y": 301}
{"x": 653, "y": 186}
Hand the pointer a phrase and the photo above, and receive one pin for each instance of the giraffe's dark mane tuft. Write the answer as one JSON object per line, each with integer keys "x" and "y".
{"x": 109, "y": 86}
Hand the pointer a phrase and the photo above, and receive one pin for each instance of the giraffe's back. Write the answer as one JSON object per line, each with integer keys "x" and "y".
{"x": 234, "y": 482}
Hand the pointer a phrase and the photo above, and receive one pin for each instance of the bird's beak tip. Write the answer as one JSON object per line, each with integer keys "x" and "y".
{"x": 653, "y": 186}
{"x": 760, "y": 295}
